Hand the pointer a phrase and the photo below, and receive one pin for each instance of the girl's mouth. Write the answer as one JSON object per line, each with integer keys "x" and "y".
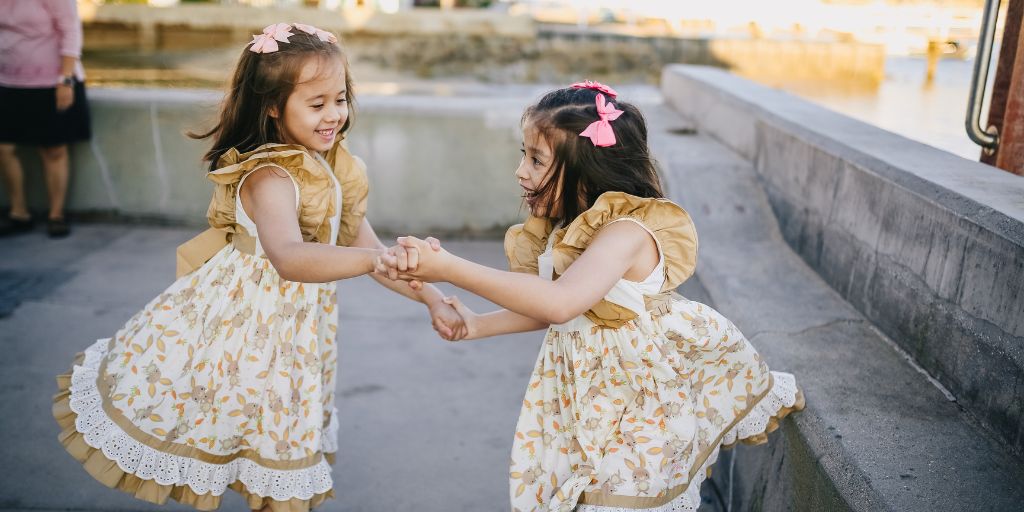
{"x": 326, "y": 134}
{"x": 529, "y": 195}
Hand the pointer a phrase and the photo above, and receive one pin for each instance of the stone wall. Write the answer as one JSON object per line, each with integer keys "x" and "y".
{"x": 927, "y": 245}
{"x": 436, "y": 165}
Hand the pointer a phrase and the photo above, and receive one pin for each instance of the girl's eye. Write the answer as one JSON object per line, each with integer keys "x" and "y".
{"x": 341, "y": 100}
{"x": 536, "y": 162}
{"x": 318, "y": 107}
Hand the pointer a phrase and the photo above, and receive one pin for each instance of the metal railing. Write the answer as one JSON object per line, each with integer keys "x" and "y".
{"x": 986, "y": 138}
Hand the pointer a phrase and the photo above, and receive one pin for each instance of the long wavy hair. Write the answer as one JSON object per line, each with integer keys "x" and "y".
{"x": 584, "y": 170}
{"x": 261, "y": 84}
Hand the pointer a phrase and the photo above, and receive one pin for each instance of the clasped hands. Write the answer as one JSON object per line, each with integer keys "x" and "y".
{"x": 412, "y": 260}
{"x": 417, "y": 261}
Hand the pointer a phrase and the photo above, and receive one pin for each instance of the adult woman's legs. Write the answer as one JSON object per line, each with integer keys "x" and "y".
{"x": 55, "y": 165}
{"x": 14, "y": 179}
{"x": 18, "y": 220}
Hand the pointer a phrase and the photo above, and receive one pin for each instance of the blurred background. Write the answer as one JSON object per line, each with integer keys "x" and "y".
{"x": 903, "y": 65}
{"x": 878, "y": 270}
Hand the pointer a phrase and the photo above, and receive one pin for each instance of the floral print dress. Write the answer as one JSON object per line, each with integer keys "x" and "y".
{"x": 224, "y": 380}
{"x": 629, "y": 404}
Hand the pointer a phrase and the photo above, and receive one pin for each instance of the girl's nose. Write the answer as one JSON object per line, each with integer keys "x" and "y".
{"x": 520, "y": 171}
{"x": 334, "y": 113}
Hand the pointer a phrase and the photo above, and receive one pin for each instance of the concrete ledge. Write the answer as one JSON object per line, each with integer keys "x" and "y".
{"x": 927, "y": 245}
{"x": 876, "y": 433}
{"x": 422, "y": 152}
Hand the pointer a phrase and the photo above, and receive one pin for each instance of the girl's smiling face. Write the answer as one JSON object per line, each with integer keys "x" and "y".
{"x": 317, "y": 108}
{"x": 534, "y": 170}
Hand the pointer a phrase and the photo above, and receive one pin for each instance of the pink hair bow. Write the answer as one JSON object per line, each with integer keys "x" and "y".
{"x": 267, "y": 41}
{"x": 324, "y": 35}
{"x": 597, "y": 86}
{"x": 600, "y": 131}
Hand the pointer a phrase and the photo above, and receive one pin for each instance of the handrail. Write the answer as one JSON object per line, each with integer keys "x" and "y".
{"x": 987, "y": 138}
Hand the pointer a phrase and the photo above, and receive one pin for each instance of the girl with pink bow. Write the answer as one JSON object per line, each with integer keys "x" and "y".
{"x": 227, "y": 378}
{"x": 635, "y": 389}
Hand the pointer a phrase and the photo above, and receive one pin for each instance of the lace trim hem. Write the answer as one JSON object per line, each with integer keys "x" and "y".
{"x": 119, "y": 461}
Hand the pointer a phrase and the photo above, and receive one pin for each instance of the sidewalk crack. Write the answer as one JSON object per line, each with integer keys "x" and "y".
{"x": 826, "y": 325}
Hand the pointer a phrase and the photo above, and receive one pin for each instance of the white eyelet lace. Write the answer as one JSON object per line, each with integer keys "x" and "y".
{"x": 147, "y": 463}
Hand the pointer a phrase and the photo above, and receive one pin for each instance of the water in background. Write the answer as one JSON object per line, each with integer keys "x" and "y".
{"x": 903, "y": 103}
{"x": 930, "y": 113}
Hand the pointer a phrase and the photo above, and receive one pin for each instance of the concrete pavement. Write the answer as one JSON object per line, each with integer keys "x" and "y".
{"x": 425, "y": 425}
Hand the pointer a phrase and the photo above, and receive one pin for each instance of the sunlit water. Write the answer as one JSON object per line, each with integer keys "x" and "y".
{"x": 904, "y": 103}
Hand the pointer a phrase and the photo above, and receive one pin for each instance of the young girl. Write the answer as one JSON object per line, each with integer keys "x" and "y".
{"x": 635, "y": 389}
{"x": 226, "y": 380}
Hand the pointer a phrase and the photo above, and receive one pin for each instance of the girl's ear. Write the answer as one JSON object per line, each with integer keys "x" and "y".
{"x": 274, "y": 112}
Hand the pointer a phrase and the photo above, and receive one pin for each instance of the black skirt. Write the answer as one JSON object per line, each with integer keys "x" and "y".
{"x": 30, "y": 117}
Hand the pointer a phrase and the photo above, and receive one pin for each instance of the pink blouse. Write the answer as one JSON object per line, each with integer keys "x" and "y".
{"x": 34, "y": 35}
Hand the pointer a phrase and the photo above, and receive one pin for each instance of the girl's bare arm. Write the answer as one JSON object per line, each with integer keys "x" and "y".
{"x": 618, "y": 248}
{"x": 268, "y": 196}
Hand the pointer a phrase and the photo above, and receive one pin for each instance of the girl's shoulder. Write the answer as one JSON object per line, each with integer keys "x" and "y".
{"x": 655, "y": 213}
{"x": 234, "y": 165}
{"x": 355, "y": 189}
{"x": 525, "y": 242}
{"x": 668, "y": 222}
{"x": 313, "y": 180}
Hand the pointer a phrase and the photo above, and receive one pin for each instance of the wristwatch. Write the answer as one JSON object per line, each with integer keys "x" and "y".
{"x": 68, "y": 80}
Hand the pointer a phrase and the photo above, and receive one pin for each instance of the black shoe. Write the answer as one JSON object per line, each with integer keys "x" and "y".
{"x": 58, "y": 228}
{"x": 12, "y": 226}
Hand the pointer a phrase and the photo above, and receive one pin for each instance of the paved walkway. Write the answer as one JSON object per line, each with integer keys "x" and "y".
{"x": 425, "y": 425}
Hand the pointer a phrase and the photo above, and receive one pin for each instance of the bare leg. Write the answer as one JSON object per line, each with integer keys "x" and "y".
{"x": 14, "y": 179}
{"x": 55, "y": 165}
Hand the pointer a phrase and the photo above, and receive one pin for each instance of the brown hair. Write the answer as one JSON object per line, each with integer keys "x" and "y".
{"x": 584, "y": 170}
{"x": 262, "y": 83}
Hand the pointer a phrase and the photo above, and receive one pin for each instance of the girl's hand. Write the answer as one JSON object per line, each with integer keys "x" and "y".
{"x": 429, "y": 257}
{"x": 448, "y": 323}
{"x": 400, "y": 260}
{"x": 386, "y": 265}
{"x": 471, "y": 320}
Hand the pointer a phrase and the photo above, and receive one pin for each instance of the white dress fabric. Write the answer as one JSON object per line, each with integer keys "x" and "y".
{"x": 226, "y": 377}
{"x": 631, "y": 418}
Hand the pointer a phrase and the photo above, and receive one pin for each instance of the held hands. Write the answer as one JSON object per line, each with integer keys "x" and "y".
{"x": 398, "y": 260}
{"x": 415, "y": 261}
{"x": 448, "y": 320}
{"x": 469, "y": 318}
